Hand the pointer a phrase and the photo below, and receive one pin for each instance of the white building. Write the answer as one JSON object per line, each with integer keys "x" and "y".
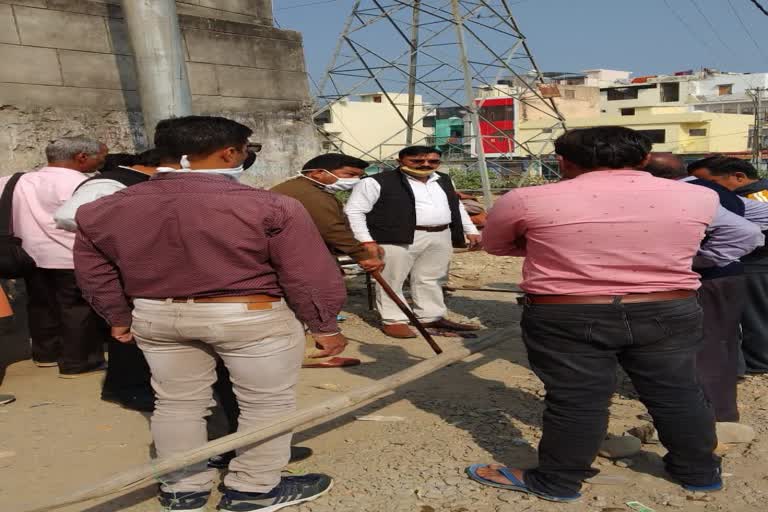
{"x": 704, "y": 91}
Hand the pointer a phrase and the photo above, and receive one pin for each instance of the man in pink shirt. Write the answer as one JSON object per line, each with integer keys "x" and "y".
{"x": 64, "y": 329}
{"x": 608, "y": 280}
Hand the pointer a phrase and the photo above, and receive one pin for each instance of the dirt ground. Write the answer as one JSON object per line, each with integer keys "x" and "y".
{"x": 58, "y": 436}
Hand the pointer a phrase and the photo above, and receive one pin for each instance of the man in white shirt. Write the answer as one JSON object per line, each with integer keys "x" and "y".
{"x": 413, "y": 218}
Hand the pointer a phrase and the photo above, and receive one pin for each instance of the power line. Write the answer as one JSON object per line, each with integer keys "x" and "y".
{"x": 308, "y": 4}
{"x": 757, "y": 4}
{"x": 687, "y": 26}
{"x": 711, "y": 26}
{"x": 747, "y": 31}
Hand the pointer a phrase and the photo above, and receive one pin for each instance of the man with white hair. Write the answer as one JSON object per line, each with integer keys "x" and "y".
{"x": 64, "y": 329}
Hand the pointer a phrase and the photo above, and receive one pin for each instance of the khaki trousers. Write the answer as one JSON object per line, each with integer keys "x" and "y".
{"x": 426, "y": 260}
{"x": 262, "y": 349}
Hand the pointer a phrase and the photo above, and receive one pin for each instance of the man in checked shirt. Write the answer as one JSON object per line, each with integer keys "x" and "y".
{"x": 213, "y": 267}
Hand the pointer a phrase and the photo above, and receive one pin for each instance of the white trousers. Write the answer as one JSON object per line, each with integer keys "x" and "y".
{"x": 262, "y": 347}
{"x": 426, "y": 260}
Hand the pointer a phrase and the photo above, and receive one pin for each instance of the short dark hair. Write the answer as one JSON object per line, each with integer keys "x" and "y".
{"x": 667, "y": 166}
{"x": 333, "y": 161}
{"x": 114, "y": 160}
{"x": 199, "y": 135}
{"x": 718, "y": 165}
{"x": 418, "y": 150}
{"x": 613, "y": 147}
{"x": 152, "y": 158}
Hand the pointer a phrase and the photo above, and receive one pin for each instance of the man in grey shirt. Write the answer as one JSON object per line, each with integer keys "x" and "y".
{"x": 722, "y": 294}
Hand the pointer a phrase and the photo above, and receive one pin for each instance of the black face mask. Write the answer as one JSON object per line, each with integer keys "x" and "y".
{"x": 249, "y": 160}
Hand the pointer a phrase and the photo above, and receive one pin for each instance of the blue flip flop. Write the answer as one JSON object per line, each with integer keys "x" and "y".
{"x": 715, "y": 486}
{"x": 516, "y": 485}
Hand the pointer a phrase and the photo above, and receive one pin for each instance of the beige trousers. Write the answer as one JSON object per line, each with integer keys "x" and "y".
{"x": 426, "y": 260}
{"x": 262, "y": 349}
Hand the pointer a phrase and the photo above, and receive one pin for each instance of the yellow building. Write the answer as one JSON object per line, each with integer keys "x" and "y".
{"x": 672, "y": 129}
{"x": 369, "y": 127}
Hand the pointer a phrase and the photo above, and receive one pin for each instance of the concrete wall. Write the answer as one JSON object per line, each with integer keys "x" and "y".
{"x": 648, "y": 95}
{"x": 575, "y": 101}
{"x": 68, "y": 69}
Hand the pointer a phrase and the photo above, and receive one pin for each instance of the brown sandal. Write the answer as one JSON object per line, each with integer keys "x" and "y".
{"x": 334, "y": 362}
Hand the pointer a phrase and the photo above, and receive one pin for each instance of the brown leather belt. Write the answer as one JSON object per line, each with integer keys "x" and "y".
{"x": 242, "y": 299}
{"x": 432, "y": 229}
{"x": 632, "y": 298}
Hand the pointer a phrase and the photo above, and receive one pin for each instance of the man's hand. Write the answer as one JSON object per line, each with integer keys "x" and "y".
{"x": 374, "y": 249}
{"x": 122, "y": 334}
{"x": 475, "y": 242}
{"x": 371, "y": 264}
{"x": 332, "y": 345}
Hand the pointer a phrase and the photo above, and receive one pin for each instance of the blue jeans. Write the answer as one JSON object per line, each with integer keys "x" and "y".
{"x": 575, "y": 350}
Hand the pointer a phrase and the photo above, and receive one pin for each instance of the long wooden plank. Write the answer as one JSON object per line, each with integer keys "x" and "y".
{"x": 451, "y": 288}
{"x": 132, "y": 478}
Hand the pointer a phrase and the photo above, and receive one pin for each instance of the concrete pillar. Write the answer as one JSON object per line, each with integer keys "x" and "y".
{"x": 155, "y": 35}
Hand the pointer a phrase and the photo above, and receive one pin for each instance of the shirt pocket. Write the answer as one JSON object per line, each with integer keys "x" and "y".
{"x": 141, "y": 328}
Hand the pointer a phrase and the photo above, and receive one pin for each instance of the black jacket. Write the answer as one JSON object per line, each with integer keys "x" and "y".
{"x": 393, "y": 218}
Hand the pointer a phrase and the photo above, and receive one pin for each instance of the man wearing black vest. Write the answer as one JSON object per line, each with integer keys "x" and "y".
{"x": 127, "y": 381}
{"x": 412, "y": 216}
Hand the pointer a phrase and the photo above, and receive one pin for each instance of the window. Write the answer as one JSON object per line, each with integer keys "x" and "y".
{"x": 656, "y": 136}
{"x": 324, "y": 117}
{"x": 670, "y": 92}
{"x": 725, "y": 89}
{"x": 697, "y": 132}
{"x": 570, "y": 94}
{"x": 328, "y": 146}
{"x": 622, "y": 93}
{"x": 428, "y": 122}
{"x": 627, "y": 111}
{"x": 377, "y": 99}
{"x": 497, "y": 113}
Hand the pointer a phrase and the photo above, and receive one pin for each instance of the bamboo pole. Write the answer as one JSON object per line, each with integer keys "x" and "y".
{"x": 407, "y": 311}
{"x": 132, "y": 478}
{"x": 450, "y": 288}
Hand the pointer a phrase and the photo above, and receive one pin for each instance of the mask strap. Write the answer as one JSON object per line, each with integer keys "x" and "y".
{"x": 185, "y": 162}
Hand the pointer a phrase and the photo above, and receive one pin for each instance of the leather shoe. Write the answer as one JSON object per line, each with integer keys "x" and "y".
{"x": 334, "y": 362}
{"x": 450, "y": 325}
{"x": 135, "y": 401}
{"x": 398, "y": 331}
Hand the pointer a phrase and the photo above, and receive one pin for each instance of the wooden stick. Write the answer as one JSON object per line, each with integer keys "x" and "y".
{"x": 481, "y": 289}
{"x": 135, "y": 477}
{"x": 405, "y": 309}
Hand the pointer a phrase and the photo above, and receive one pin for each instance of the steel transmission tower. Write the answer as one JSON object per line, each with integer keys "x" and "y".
{"x": 427, "y": 56}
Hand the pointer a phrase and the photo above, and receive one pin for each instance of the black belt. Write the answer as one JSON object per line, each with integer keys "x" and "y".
{"x": 432, "y": 229}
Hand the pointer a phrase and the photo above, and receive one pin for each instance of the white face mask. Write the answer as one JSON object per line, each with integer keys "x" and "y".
{"x": 232, "y": 172}
{"x": 340, "y": 185}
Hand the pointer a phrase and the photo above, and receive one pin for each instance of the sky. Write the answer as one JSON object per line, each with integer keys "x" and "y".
{"x": 642, "y": 36}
